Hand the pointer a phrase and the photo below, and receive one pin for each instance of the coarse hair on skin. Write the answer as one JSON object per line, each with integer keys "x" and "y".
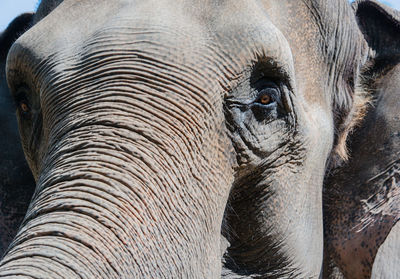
{"x": 361, "y": 102}
{"x": 347, "y": 55}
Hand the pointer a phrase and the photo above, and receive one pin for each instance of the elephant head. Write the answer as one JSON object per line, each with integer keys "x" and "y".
{"x": 153, "y": 127}
{"x": 361, "y": 200}
{"x": 16, "y": 181}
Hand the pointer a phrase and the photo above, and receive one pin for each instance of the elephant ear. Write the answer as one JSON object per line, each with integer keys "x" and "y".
{"x": 380, "y": 26}
{"x": 14, "y": 30}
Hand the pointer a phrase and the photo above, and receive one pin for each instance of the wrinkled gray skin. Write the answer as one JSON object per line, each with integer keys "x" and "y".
{"x": 153, "y": 127}
{"x": 16, "y": 181}
{"x": 362, "y": 198}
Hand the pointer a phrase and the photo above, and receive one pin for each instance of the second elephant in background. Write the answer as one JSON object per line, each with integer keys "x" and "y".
{"x": 362, "y": 197}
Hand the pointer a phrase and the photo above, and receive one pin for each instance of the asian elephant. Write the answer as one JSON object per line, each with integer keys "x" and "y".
{"x": 362, "y": 197}
{"x": 16, "y": 181}
{"x": 154, "y": 127}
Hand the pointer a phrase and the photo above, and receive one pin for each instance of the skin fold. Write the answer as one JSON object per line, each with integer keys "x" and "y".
{"x": 361, "y": 198}
{"x": 16, "y": 181}
{"x": 164, "y": 135}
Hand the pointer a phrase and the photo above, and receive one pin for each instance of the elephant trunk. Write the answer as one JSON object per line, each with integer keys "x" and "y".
{"x": 121, "y": 201}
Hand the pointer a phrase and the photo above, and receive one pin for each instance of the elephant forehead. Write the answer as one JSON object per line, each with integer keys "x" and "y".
{"x": 217, "y": 36}
{"x": 230, "y": 35}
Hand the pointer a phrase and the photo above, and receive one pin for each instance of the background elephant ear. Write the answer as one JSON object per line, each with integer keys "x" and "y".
{"x": 14, "y": 30}
{"x": 380, "y": 25}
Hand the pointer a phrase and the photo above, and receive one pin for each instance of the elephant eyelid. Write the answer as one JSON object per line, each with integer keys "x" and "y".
{"x": 271, "y": 92}
{"x": 265, "y": 93}
{"x": 273, "y": 76}
{"x": 18, "y": 99}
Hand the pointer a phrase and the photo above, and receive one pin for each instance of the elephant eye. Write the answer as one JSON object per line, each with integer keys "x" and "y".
{"x": 268, "y": 96}
{"x": 265, "y": 99}
{"x": 24, "y": 107}
{"x": 268, "y": 102}
{"x": 22, "y": 102}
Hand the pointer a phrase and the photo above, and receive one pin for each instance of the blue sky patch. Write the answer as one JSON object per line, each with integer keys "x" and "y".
{"x": 37, "y": 4}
